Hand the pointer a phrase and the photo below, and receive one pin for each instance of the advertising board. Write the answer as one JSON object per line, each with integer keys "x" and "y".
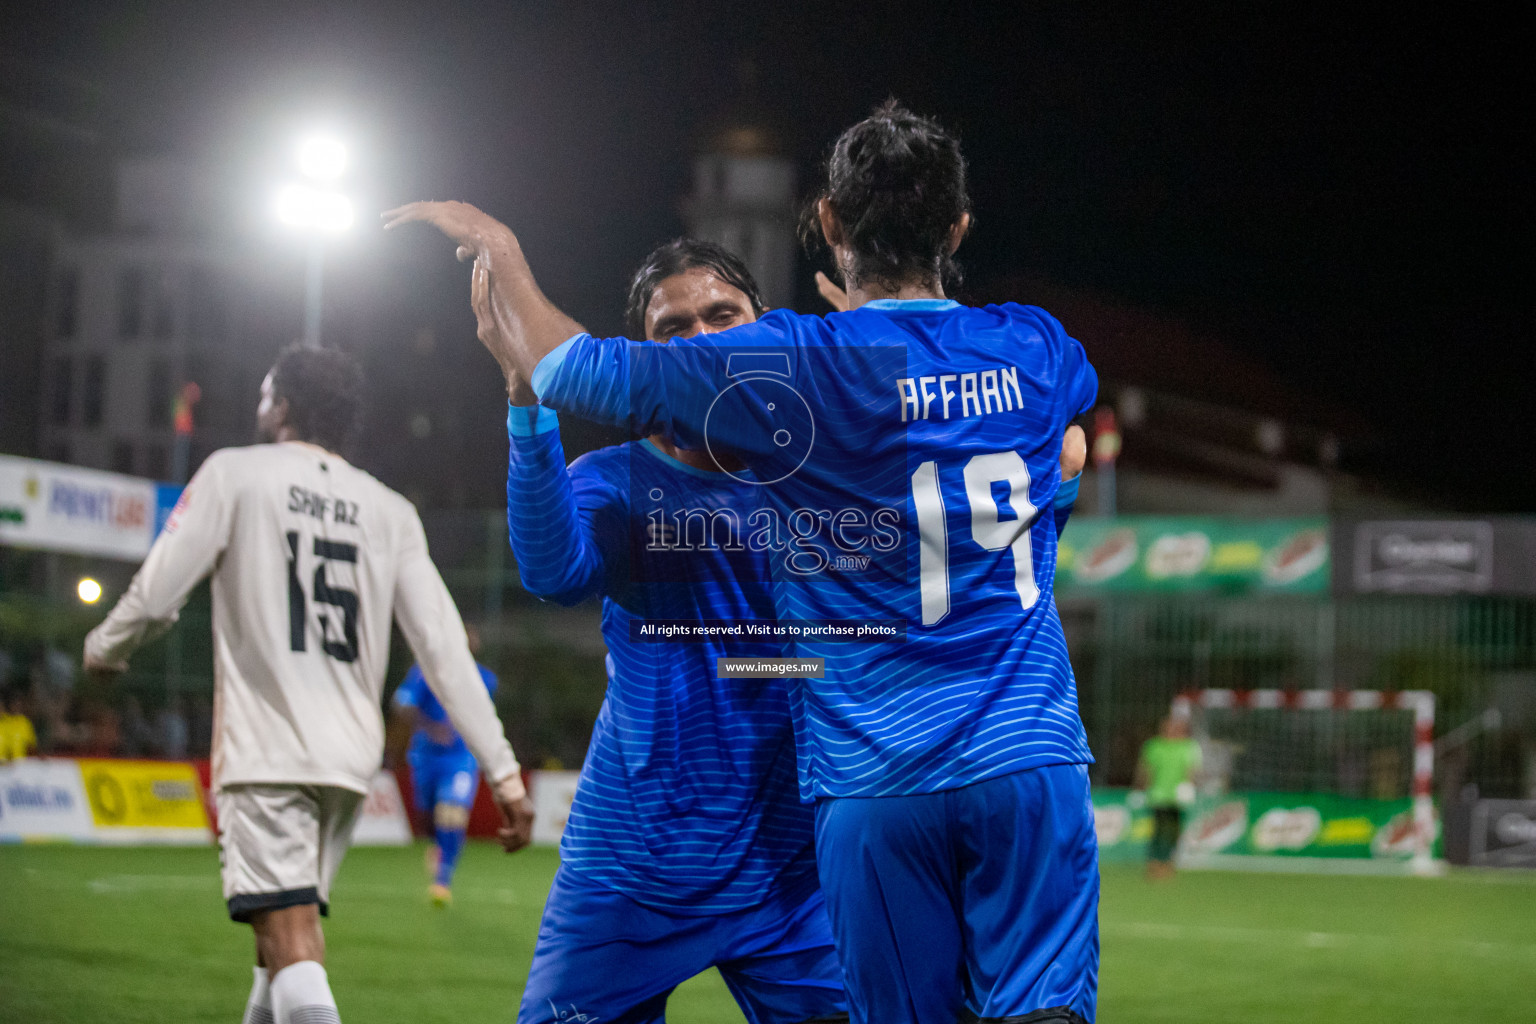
{"x": 43, "y": 800}
{"x": 1504, "y": 834}
{"x": 1187, "y": 554}
{"x": 135, "y": 802}
{"x": 552, "y": 793}
{"x": 1277, "y": 831}
{"x": 383, "y": 821}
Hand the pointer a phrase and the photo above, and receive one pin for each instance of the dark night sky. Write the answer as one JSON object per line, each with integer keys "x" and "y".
{"x": 1333, "y": 194}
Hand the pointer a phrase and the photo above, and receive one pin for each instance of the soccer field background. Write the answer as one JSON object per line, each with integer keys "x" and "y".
{"x": 139, "y": 935}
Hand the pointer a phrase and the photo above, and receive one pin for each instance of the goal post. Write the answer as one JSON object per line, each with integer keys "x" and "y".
{"x": 1314, "y": 780}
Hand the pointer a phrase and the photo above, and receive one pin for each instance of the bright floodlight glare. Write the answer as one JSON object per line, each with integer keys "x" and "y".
{"x": 322, "y": 158}
{"x": 89, "y": 590}
{"x": 303, "y": 206}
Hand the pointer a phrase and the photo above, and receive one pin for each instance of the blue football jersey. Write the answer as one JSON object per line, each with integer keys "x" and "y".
{"x": 435, "y": 736}
{"x": 907, "y": 450}
{"x": 688, "y": 799}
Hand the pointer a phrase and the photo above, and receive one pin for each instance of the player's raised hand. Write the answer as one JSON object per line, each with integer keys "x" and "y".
{"x": 480, "y": 302}
{"x": 836, "y": 297}
{"x": 528, "y": 325}
{"x": 516, "y": 809}
{"x": 519, "y": 391}
{"x": 469, "y": 226}
{"x": 1074, "y": 452}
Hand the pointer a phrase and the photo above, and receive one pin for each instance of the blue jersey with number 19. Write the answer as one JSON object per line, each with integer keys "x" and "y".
{"x": 907, "y": 449}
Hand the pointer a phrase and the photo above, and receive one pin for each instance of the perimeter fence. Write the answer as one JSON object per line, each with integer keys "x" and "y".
{"x": 1132, "y": 654}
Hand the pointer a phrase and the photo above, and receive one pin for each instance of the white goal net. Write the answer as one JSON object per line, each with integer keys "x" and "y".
{"x": 1337, "y": 748}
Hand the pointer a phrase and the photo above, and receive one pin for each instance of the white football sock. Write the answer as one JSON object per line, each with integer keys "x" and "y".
{"x": 258, "y": 1008}
{"x": 301, "y": 995}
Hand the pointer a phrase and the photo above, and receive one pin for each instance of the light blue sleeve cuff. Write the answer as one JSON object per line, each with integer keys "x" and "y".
{"x": 1066, "y": 494}
{"x": 550, "y": 364}
{"x": 529, "y": 420}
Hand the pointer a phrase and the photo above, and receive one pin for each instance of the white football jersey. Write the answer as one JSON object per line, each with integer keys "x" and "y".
{"x": 311, "y": 558}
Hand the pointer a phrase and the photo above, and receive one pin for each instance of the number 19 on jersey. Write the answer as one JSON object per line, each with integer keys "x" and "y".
{"x": 988, "y": 529}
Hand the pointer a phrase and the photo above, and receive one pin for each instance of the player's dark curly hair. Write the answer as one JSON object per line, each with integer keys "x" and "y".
{"x": 896, "y": 181}
{"x": 324, "y": 391}
{"x": 675, "y": 257}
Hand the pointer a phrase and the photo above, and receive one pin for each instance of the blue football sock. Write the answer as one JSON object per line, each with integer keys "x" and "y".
{"x": 450, "y": 843}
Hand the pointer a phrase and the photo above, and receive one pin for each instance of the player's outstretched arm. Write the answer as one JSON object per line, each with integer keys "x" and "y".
{"x": 559, "y": 553}
{"x": 185, "y": 552}
{"x": 1074, "y": 455}
{"x": 1074, "y": 452}
{"x": 836, "y": 297}
{"x": 556, "y": 537}
{"x": 529, "y": 325}
{"x": 435, "y": 633}
{"x": 404, "y": 717}
{"x": 592, "y": 377}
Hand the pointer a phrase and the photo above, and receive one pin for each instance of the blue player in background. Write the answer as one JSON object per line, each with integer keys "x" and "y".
{"x": 444, "y": 775}
{"x": 687, "y": 846}
{"x": 911, "y": 445}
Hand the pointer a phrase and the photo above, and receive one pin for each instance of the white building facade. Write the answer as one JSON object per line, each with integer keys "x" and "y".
{"x": 744, "y": 199}
{"x": 135, "y": 314}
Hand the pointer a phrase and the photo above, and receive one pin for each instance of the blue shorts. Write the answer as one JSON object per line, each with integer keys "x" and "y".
{"x": 982, "y": 899}
{"x": 443, "y": 781}
{"x": 605, "y": 956}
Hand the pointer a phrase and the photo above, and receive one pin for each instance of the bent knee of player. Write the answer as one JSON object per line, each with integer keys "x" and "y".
{"x": 288, "y": 935}
{"x": 450, "y": 815}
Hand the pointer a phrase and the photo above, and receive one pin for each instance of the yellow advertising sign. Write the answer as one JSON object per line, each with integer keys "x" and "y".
{"x": 143, "y": 794}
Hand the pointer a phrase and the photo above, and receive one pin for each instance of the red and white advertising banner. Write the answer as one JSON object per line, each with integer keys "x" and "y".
{"x": 383, "y": 822}
{"x": 552, "y": 794}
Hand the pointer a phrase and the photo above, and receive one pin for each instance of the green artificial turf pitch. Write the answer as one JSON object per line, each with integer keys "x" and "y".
{"x": 130, "y": 935}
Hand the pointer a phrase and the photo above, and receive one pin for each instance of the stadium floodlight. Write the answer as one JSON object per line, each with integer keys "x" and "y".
{"x": 318, "y": 210}
{"x": 310, "y": 208}
{"x": 89, "y": 590}
{"x": 322, "y": 157}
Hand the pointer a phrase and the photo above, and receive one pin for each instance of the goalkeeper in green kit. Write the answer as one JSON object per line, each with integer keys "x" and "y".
{"x": 1166, "y": 774}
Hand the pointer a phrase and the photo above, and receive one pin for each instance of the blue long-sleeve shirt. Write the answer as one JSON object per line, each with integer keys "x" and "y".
{"x": 910, "y": 448}
{"x": 688, "y": 799}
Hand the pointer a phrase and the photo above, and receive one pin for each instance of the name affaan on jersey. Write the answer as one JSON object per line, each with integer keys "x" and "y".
{"x": 910, "y": 448}
{"x": 310, "y": 560}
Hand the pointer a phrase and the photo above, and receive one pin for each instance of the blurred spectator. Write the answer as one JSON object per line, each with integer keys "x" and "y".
{"x": 137, "y": 736}
{"x": 52, "y": 676}
{"x": 200, "y": 727}
{"x": 54, "y": 670}
{"x": 17, "y": 737}
{"x": 103, "y": 730}
{"x": 1166, "y": 774}
{"x": 171, "y": 730}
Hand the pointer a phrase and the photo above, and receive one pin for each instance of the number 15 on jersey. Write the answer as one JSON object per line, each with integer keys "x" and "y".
{"x": 340, "y": 598}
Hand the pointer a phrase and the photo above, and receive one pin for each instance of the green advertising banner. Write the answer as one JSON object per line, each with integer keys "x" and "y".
{"x": 1192, "y": 554}
{"x": 1221, "y": 831}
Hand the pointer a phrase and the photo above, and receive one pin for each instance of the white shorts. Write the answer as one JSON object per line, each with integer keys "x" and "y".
{"x": 280, "y": 846}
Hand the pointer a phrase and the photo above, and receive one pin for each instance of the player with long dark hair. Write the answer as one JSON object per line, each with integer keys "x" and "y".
{"x": 686, "y": 847}
{"x": 910, "y": 444}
